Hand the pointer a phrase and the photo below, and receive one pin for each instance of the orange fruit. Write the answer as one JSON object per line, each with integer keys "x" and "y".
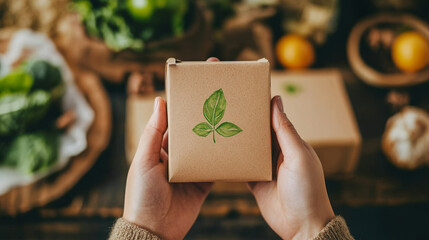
{"x": 410, "y": 51}
{"x": 294, "y": 51}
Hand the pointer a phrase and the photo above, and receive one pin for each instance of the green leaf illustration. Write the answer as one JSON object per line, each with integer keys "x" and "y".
{"x": 292, "y": 88}
{"x": 213, "y": 110}
{"x": 228, "y": 129}
{"x": 203, "y": 129}
{"x": 214, "y": 107}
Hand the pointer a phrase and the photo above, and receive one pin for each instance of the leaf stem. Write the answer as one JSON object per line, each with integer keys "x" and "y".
{"x": 214, "y": 136}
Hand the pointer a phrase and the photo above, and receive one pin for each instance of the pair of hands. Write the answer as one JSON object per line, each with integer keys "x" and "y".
{"x": 295, "y": 204}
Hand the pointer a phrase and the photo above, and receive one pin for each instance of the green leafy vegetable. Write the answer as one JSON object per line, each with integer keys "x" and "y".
{"x": 213, "y": 110}
{"x": 32, "y": 152}
{"x": 117, "y": 35}
{"x": 19, "y": 111}
{"x": 46, "y": 76}
{"x": 179, "y": 8}
{"x": 3, "y": 147}
{"x": 17, "y": 81}
{"x": 26, "y": 95}
{"x": 129, "y": 24}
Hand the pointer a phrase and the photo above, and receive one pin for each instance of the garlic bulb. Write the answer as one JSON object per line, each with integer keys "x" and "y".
{"x": 406, "y": 138}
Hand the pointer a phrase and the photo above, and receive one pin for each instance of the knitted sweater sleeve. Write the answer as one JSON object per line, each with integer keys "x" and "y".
{"x": 124, "y": 230}
{"x": 336, "y": 229}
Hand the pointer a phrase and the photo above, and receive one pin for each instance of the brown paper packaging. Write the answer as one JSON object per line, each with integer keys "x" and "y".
{"x": 235, "y": 97}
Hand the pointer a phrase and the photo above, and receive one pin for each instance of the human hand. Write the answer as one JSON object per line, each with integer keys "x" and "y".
{"x": 296, "y": 203}
{"x": 165, "y": 209}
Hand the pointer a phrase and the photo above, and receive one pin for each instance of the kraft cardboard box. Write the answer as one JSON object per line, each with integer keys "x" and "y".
{"x": 218, "y": 121}
{"x": 317, "y": 104}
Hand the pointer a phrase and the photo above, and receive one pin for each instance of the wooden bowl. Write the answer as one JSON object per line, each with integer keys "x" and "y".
{"x": 370, "y": 75}
{"x": 37, "y": 194}
{"x": 114, "y": 66}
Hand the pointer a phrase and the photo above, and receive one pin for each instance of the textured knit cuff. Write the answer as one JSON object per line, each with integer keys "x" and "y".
{"x": 336, "y": 229}
{"x": 123, "y": 230}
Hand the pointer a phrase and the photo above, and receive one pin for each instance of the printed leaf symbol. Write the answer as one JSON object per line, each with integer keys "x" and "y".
{"x": 214, "y": 107}
{"x": 213, "y": 110}
{"x": 292, "y": 88}
{"x": 203, "y": 129}
{"x": 228, "y": 129}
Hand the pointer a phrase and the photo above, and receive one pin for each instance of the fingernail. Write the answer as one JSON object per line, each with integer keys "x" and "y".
{"x": 279, "y": 103}
{"x": 213, "y": 59}
{"x": 155, "y": 104}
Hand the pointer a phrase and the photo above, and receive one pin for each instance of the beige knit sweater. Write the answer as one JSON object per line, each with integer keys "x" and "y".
{"x": 336, "y": 229}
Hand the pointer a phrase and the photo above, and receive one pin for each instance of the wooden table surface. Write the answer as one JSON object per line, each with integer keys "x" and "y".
{"x": 375, "y": 182}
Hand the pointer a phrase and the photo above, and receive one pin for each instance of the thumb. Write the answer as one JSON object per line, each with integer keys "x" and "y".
{"x": 148, "y": 151}
{"x": 289, "y": 140}
{"x": 287, "y": 137}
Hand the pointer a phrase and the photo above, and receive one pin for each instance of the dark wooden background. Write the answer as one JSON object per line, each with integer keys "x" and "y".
{"x": 378, "y": 201}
